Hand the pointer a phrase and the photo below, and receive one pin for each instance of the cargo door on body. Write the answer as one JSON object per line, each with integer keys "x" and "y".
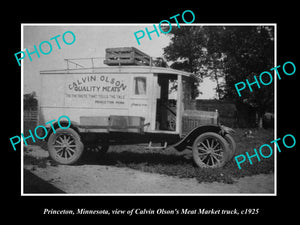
{"x": 140, "y": 101}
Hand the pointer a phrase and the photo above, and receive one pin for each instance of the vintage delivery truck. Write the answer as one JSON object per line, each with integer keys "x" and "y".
{"x": 130, "y": 101}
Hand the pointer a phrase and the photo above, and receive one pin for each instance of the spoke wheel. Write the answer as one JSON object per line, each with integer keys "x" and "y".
{"x": 65, "y": 146}
{"x": 210, "y": 150}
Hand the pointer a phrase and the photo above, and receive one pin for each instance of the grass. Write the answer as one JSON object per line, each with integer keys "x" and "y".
{"x": 180, "y": 164}
{"x": 172, "y": 163}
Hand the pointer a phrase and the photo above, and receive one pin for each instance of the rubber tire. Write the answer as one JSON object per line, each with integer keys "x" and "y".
{"x": 232, "y": 146}
{"x": 78, "y": 149}
{"x": 221, "y": 140}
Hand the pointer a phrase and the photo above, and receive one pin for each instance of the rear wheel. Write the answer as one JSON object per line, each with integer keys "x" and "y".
{"x": 65, "y": 146}
{"x": 210, "y": 150}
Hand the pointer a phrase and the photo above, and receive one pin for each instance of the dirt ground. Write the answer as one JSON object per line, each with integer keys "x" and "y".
{"x": 99, "y": 179}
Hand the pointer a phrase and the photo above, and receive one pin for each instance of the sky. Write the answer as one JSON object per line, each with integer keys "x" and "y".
{"x": 91, "y": 41}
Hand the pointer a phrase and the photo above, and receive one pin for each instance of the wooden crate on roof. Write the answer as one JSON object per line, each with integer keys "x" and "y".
{"x": 126, "y": 56}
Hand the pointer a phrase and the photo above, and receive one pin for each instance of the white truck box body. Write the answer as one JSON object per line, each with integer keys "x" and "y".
{"x": 101, "y": 92}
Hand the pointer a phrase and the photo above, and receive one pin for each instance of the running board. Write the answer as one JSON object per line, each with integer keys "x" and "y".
{"x": 150, "y": 147}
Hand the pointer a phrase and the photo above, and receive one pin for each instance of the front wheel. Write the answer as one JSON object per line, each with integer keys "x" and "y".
{"x": 210, "y": 150}
{"x": 65, "y": 146}
{"x": 232, "y": 145}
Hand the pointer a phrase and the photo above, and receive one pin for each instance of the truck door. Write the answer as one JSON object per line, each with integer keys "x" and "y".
{"x": 166, "y": 102}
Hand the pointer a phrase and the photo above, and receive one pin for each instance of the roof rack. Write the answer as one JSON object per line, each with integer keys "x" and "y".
{"x": 126, "y": 56}
{"x": 123, "y": 56}
{"x": 74, "y": 61}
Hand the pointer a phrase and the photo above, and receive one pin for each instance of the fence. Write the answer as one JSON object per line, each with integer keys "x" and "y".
{"x": 30, "y": 115}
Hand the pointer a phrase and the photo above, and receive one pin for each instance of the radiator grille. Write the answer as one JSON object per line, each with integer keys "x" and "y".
{"x": 189, "y": 122}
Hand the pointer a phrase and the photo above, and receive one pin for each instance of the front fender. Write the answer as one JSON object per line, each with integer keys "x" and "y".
{"x": 49, "y": 128}
{"x": 193, "y": 134}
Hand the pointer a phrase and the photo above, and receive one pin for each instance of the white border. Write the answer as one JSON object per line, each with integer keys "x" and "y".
{"x": 275, "y": 111}
{"x": 152, "y": 194}
{"x": 22, "y": 115}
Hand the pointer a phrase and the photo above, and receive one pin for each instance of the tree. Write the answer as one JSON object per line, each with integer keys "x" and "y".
{"x": 187, "y": 50}
{"x": 233, "y": 53}
{"x": 30, "y": 101}
{"x": 248, "y": 50}
{"x": 186, "y": 47}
